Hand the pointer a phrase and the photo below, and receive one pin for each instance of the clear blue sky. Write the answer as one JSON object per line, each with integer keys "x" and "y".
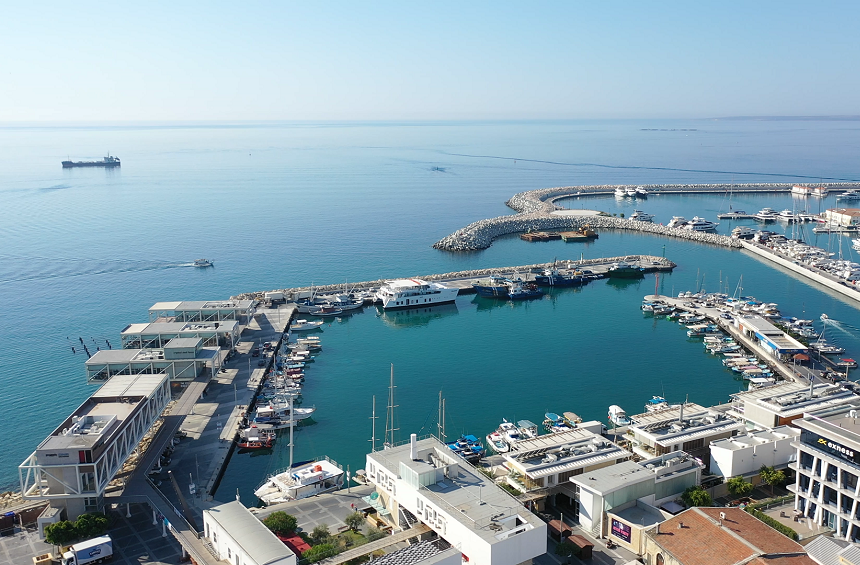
{"x": 193, "y": 60}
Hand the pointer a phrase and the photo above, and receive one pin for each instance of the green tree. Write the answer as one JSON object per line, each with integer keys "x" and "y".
{"x": 320, "y": 534}
{"x": 281, "y": 523}
{"x": 354, "y": 521}
{"x": 738, "y": 486}
{"x": 61, "y": 533}
{"x": 697, "y": 496}
{"x": 319, "y": 552}
{"x": 566, "y": 549}
{"x": 771, "y": 476}
{"x": 374, "y": 533}
{"x": 91, "y": 525}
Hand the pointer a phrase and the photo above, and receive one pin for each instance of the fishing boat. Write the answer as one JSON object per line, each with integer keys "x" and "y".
{"x": 326, "y": 311}
{"x": 700, "y": 224}
{"x": 625, "y": 270}
{"x": 554, "y": 423}
{"x": 553, "y": 277}
{"x": 677, "y": 222}
{"x": 300, "y": 482}
{"x": 254, "y": 437}
{"x": 495, "y": 286}
{"x": 641, "y": 216}
{"x": 618, "y": 416}
{"x": 658, "y": 403}
{"x": 528, "y": 429}
{"x": 305, "y": 326}
{"x": 203, "y": 263}
{"x": 409, "y": 293}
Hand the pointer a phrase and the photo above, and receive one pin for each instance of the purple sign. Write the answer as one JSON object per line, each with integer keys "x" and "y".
{"x": 621, "y": 530}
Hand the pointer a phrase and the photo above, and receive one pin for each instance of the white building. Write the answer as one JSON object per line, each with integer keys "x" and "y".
{"x": 548, "y": 461}
{"x": 202, "y": 311}
{"x": 770, "y": 339}
{"x": 156, "y": 335}
{"x": 781, "y": 404}
{"x": 842, "y": 216}
{"x": 182, "y": 359}
{"x": 73, "y": 466}
{"x": 688, "y": 427}
{"x": 827, "y": 484}
{"x": 239, "y": 538}
{"x": 425, "y": 481}
{"x": 744, "y": 455}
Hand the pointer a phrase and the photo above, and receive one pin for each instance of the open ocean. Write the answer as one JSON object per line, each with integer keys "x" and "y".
{"x": 87, "y": 251}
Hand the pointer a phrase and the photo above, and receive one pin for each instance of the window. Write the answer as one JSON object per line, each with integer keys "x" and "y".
{"x": 694, "y": 444}
{"x": 659, "y": 559}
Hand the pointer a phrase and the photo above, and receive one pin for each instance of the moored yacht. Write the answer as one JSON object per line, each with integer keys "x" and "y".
{"x": 676, "y": 222}
{"x": 787, "y": 216}
{"x": 743, "y": 232}
{"x": 641, "y": 216}
{"x": 630, "y": 191}
{"x": 552, "y": 277}
{"x": 300, "y": 482}
{"x": 641, "y": 192}
{"x": 625, "y": 270}
{"x": 618, "y": 416}
{"x": 620, "y": 192}
{"x": 765, "y": 215}
{"x": 409, "y": 293}
{"x": 700, "y": 224}
{"x": 849, "y": 195}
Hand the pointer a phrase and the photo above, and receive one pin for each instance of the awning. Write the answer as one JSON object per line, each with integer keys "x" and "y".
{"x": 801, "y": 357}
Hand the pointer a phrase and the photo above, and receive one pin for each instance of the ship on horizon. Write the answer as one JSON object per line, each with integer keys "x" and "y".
{"x": 106, "y": 162}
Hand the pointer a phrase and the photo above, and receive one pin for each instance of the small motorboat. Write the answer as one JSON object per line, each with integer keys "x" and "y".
{"x": 305, "y": 326}
{"x": 497, "y": 443}
{"x": 203, "y": 263}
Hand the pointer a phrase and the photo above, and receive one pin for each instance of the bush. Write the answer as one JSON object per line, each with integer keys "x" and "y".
{"x": 61, "y": 533}
{"x": 771, "y": 477}
{"x": 697, "y": 496}
{"x": 354, "y": 521}
{"x": 775, "y": 524}
{"x": 738, "y": 486}
{"x": 374, "y": 533}
{"x": 281, "y": 523}
{"x": 319, "y": 552}
{"x": 320, "y": 534}
{"x": 91, "y": 525}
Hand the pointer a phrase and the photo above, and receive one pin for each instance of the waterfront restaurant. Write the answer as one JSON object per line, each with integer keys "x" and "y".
{"x": 542, "y": 466}
{"x": 827, "y": 483}
{"x": 183, "y": 359}
{"x": 688, "y": 427}
{"x": 781, "y": 404}
{"x": 73, "y": 466}
{"x": 223, "y": 334}
{"x": 772, "y": 340}
{"x": 203, "y": 311}
{"x": 622, "y": 500}
{"x": 423, "y": 481}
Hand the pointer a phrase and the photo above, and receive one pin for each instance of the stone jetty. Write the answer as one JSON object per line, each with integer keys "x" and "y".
{"x": 537, "y": 211}
{"x": 652, "y": 263}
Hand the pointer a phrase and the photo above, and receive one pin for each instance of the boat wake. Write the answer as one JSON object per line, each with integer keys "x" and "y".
{"x": 19, "y": 269}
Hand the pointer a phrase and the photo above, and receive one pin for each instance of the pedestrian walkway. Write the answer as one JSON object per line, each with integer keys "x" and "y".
{"x": 415, "y": 531}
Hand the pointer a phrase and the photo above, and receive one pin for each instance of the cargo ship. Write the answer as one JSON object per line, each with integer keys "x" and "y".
{"x": 106, "y": 162}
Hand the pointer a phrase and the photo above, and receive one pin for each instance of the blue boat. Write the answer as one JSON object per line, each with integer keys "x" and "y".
{"x": 552, "y": 277}
{"x": 468, "y": 447}
{"x": 494, "y": 287}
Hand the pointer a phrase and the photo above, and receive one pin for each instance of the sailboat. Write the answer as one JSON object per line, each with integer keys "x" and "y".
{"x": 732, "y": 214}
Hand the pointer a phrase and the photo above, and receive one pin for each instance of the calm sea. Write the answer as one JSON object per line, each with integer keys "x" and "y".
{"x": 87, "y": 251}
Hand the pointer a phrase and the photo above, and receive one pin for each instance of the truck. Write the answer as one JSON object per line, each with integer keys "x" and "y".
{"x": 93, "y": 550}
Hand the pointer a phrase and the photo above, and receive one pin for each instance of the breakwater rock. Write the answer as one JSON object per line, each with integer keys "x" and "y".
{"x": 535, "y": 212}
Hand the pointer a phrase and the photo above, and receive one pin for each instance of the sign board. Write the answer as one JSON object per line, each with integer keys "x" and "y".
{"x": 621, "y": 530}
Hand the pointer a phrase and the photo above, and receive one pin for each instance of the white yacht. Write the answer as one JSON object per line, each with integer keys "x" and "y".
{"x": 676, "y": 222}
{"x": 700, "y": 224}
{"x": 301, "y": 482}
{"x": 856, "y": 243}
{"x": 630, "y": 191}
{"x": 510, "y": 433}
{"x": 412, "y": 293}
{"x": 620, "y": 192}
{"x": 304, "y": 326}
{"x": 766, "y": 215}
{"x": 618, "y": 416}
{"x": 849, "y": 195}
{"x": 641, "y": 192}
{"x": 743, "y": 232}
{"x": 641, "y": 216}
{"x": 787, "y": 216}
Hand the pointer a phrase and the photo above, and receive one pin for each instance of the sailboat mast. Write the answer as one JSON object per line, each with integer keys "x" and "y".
{"x": 292, "y": 425}
{"x": 390, "y": 426}
{"x": 373, "y": 425}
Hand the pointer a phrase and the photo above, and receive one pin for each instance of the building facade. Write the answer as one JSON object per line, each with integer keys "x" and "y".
{"x": 744, "y": 455}
{"x": 239, "y": 538}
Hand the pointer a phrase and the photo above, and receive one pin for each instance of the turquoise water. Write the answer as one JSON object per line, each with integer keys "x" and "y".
{"x": 85, "y": 252}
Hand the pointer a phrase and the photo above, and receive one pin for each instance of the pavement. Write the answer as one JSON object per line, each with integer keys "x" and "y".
{"x": 329, "y": 509}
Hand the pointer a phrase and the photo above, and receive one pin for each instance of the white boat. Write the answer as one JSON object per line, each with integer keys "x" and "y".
{"x": 676, "y": 222}
{"x": 510, "y": 433}
{"x": 766, "y": 215}
{"x": 528, "y": 429}
{"x": 733, "y": 215}
{"x": 498, "y": 443}
{"x": 301, "y": 482}
{"x": 630, "y": 191}
{"x": 700, "y": 224}
{"x": 203, "y": 263}
{"x": 304, "y": 326}
{"x": 787, "y": 216}
{"x": 641, "y": 192}
{"x": 620, "y": 192}
{"x": 849, "y": 195}
{"x": 618, "y": 416}
{"x": 412, "y": 293}
{"x": 856, "y": 243}
{"x": 820, "y": 191}
{"x": 743, "y": 232}
{"x": 641, "y": 216}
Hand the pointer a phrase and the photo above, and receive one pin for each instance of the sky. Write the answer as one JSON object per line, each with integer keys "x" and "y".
{"x": 205, "y": 61}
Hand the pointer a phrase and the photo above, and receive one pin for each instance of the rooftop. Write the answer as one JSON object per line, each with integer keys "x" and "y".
{"x": 103, "y": 413}
{"x": 114, "y": 356}
{"x": 156, "y": 328}
{"x": 609, "y": 479}
{"x": 465, "y": 494}
{"x": 564, "y": 451}
{"x": 843, "y": 425}
{"x": 796, "y": 398}
{"x": 682, "y": 423}
{"x": 641, "y": 515}
{"x": 765, "y": 329}
{"x": 184, "y": 343}
{"x": 252, "y": 536}
{"x": 202, "y": 305}
{"x": 754, "y": 438}
{"x": 696, "y": 537}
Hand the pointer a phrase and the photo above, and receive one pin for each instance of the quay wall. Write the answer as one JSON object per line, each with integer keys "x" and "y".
{"x": 802, "y": 270}
{"x": 659, "y": 263}
{"x": 535, "y": 208}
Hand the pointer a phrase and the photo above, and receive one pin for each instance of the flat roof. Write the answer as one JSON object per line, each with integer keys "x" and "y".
{"x": 758, "y": 437}
{"x": 103, "y": 413}
{"x": 572, "y": 451}
{"x": 838, "y": 425}
{"x": 765, "y": 330}
{"x": 641, "y": 515}
{"x": 203, "y": 305}
{"x": 261, "y": 545}
{"x": 793, "y": 398}
{"x": 183, "y": 342}
{"x": 614, "y": 477}
{"x": 179, "y": 327}
{"x": 113, "y": 356}
{"x": 472, "y": 498}
{"x": 665, "y": 426}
